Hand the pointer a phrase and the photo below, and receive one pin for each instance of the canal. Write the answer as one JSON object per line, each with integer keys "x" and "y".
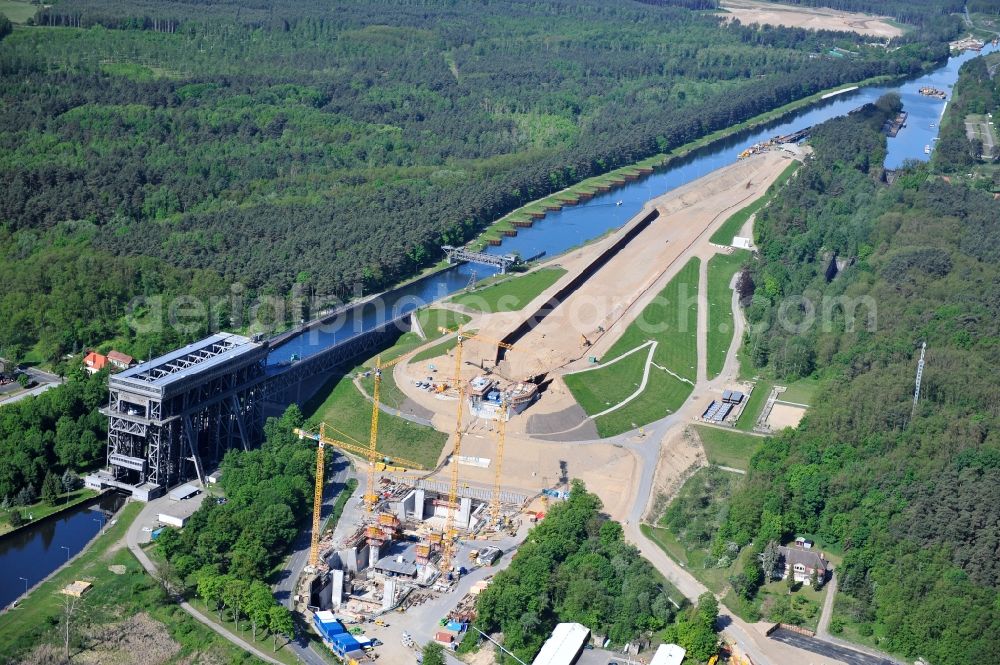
{"x": 32, "y": 553}
{"x": 572, "y": 226}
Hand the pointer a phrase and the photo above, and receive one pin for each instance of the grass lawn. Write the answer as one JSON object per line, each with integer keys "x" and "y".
{"x": 432, "y": 319}
{"x": 847, "y": 628}
{"x": 663, "y": 395}
{"x": 42, "y": 509}
{"x": 592, "y": 390}
{"x": 671, "y": 320}
{"x": 731, "y": 227}
{"x": 688, "y": 525}
{"x": 439, "y": 349}
{"x": 340, "y": 405}
{"x": 264, "y": 640}
{"x": 802, "y": 391}
{"x": 17, "y": 12}
{"x": 754, "y": 404}
{"x": 389, "y": 393}
{"x": 721, "y": 269}
{"x": 113, "y": 598}
{"x": 726, "y": 447}
{"x": 512, "y": 294}
{"x": 806, "y": 602}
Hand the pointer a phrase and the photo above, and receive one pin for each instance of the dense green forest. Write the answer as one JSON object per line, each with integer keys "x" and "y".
{"x": 57, "y": 430}
{"x": 160, "y": 147}
{"x": 266, "y": 489}
{"x": 910, "y": 498}
{"x": 576, "y": 567}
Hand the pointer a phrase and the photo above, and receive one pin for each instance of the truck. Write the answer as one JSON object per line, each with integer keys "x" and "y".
{"x": 171, "y": 520}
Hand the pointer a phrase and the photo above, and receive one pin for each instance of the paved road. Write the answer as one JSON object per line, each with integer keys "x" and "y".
{"x": 749, "y": 639}
{"x": 299, "y": 557}
{"x": 823, "y": 628}
{"x": 135, "y": 535}
{"x": 823, "y": 648}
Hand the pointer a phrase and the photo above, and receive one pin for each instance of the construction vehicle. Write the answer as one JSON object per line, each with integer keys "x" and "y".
{"x": 368, "y": 453}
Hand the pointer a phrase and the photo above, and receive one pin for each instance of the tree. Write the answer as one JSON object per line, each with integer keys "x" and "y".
{"x": 258, "y": 606}
{"x": 51, "y": 489}
{"x": 696, "y": 631}
{"x": 279, "y": 622}
{"x": 769, "y": 561}
{"x": 26, "y": 496}
{"x": 23, "y": 380}
{"x": 70, "y": 481}
{"x": 15, "y": 518}
{"x": 234, "y": 595}
{"x": 210, "y": 588}
{"x": 814, "y": 580}
{"x": 69, "y": 609}
{"x": 433, "y": 654}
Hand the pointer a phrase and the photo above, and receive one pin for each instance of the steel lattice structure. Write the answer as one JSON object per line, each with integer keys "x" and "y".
{"x": 169, "y": 417}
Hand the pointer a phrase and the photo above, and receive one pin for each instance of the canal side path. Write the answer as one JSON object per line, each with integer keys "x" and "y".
{"x": 135, "y": 536}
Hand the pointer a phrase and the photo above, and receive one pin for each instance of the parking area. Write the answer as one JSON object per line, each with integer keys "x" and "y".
{"x": 602, "y": 657}
{"x": 164, "y": 505}
{"x": 827, "y": 649}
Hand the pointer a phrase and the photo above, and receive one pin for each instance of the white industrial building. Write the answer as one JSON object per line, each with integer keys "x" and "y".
{"x": 668, "y": 654}
{"x": 565, "y": 644}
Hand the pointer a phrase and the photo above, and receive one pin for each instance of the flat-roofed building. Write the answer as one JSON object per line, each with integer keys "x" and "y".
{"x": 564, "y": 645}
{"x": 668, "y": 654}
{"x": 174, "y": 416}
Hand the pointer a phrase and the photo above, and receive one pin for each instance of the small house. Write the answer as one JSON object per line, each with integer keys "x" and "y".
{"x": 94, "y": 362}
{"x": 802, "y": 563}
{"x": 120, "y": 360}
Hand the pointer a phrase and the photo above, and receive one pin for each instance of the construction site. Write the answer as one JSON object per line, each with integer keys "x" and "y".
{"x": 415, "y": 546}
{"x": 417, "y": 542}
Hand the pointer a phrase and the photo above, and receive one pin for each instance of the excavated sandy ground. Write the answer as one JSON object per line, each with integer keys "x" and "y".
{"x": 785, "y": 415}
{"x": 608, "y": 470}
{"x": 752, "y": 11}
{"x": 615, "y": 295}
{"x": 617, "y": 292}
{"x": 681, "y": 454}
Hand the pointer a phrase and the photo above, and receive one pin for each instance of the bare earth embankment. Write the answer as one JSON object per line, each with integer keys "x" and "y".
{"x": 810, "y": 18}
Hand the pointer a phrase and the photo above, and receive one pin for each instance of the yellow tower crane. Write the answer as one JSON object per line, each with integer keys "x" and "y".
{"x": 450, "y": 533}
{"x": 370, "y": 497}
{"x": 368, "y": 453}
{"x": 501, "y": 436}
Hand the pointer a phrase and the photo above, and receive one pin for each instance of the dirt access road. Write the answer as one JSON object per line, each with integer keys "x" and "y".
{"x": 810, "y": 18}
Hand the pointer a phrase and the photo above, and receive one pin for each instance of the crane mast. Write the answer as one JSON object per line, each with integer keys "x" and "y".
{"x": 370, "y": 497}
{"x": 448, "y": 544}
{"x": 317, "y": 505}
{"x": 501, "y": 436}
{"x": 322, "y": 440}
{"x": 450, "y": 533}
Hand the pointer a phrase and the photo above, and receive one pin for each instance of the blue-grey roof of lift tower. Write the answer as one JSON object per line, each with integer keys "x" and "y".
{"x": 198, "y": 356}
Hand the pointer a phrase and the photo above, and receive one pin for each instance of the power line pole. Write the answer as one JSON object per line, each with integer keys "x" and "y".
{"x": 920, "y": 375}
